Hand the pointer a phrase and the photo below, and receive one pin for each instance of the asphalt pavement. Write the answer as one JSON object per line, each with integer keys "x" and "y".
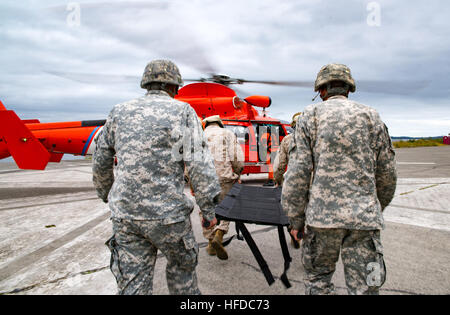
{"x": 53, "y": 229}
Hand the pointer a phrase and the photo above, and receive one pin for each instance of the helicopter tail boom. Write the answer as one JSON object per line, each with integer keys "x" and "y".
{"x": 16, "y": 140}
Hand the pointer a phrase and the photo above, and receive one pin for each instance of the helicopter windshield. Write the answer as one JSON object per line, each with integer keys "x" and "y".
{"x": 276, "y": 129}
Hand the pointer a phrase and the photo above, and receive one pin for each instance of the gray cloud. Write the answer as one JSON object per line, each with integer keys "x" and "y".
{"x": 268, "y": 39}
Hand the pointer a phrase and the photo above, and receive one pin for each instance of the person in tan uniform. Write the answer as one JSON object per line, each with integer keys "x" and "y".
{"x": 229, "y": 163}
{"x": 282, "y": 159}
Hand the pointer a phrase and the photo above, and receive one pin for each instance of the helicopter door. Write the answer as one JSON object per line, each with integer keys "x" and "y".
{"x": 268, "y": 140}
{"x": 243, "y": 137}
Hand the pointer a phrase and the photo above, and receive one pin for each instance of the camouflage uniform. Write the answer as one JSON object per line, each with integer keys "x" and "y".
{"x": 152, "y": 138}
{"x": 341, "y": 175}
{"x": 282, "y": 159}
{"x": 362, "y": 256}
{"x": 228, "y": 161}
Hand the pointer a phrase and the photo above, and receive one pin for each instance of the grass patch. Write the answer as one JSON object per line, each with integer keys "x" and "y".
{"x": 427, "y": 142}
{"x": 423, "y": 188}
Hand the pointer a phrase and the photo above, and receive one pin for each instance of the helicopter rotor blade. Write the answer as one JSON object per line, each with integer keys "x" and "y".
{"x": 370, "y": 86}
{"x": 92, "y": 78}
{"x": 308, "y": 84}
{"x": 390, "y": 87}
{"x": 194, "y": 80}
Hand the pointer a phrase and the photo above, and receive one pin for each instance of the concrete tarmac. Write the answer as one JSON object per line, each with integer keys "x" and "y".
{"x": 53, "y": 229}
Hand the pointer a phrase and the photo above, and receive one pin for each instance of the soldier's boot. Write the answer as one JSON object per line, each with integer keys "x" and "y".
{"x": 210, "y": 250}
{"x": 269, "y": 183}
{"x": 217, "y": 245}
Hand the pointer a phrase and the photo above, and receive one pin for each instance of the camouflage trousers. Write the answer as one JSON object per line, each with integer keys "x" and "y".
{"x": 134, "y": 247}
{"x": 224, "y": 225}
{"x": 362, "y": 256}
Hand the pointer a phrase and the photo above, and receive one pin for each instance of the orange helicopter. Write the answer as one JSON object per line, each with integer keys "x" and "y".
{"x": 33, "y": 144}
{"x": 258, "y": 134}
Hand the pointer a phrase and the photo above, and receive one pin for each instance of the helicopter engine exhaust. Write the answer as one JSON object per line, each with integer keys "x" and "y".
{"x": 259, "y": 101}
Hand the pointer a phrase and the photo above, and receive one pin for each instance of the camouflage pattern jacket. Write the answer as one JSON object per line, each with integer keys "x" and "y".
{"x": 341, "y": 171}
{"x": 227, "y": 153}
{"x": 153, "y": 138}
{"x": 282, "y": 160}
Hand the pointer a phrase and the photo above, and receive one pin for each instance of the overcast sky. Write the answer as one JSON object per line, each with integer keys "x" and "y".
{"x": 396, "y": 42}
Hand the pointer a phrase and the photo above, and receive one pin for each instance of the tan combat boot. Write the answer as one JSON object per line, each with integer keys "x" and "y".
{"x": 210, "y": 250}
{"x": 217, "y": 245}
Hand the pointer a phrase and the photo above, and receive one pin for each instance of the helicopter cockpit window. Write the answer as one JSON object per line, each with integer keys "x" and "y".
{"x": 241, "y": 133}
{"x": 277, "y": 129}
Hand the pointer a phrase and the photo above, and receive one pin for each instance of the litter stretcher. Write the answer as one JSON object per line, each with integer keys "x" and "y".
{"x": 256, "y": 205}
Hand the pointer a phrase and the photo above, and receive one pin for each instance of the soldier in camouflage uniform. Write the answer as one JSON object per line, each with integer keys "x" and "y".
{"x": 228, "y": 161}
{"x": 282, "y": 159}
{"x": 341, "y": 176}
{"x": 153, "y": 138}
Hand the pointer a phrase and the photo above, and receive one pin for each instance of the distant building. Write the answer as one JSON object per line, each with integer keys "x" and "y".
{"x": 446, "y": 140}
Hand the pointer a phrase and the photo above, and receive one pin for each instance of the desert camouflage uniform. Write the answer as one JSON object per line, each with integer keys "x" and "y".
{"x": 228, "y": 161}
{"x": 152, "y": 137}
{"x": 341, "y": 175}
{"x": 282, "y": 159}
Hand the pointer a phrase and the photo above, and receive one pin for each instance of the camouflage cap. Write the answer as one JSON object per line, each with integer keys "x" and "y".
{"x": 334, "y": 72}
{"x": 213, "y": 119}
{"x": 162, "y": 71}
{"x": 293, "y": 123}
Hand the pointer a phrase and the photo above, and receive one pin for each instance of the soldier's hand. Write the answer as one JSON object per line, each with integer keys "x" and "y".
{"x": 211, "y": 223}
{"x": 298, "y": 236}
{"x": 294, "y": 234}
